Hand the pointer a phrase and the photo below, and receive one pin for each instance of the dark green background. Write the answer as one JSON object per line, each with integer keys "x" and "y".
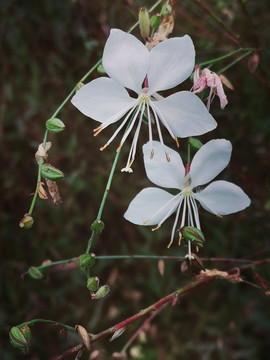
{"x": 46, "y": 47}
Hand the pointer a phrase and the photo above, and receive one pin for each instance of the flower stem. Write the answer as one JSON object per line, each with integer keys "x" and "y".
{"x": 235, "y": 61}
{"x": 248, "y": 50}
{"x": 106, "y": 192}
{"x": 57, "y": 323}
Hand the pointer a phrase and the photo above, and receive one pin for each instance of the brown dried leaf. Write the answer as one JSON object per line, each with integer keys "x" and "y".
{"x": 253, "y": 62}
{"x": 235, "y": 277}
{"x": 118, "y": 333}
{"x": 161, "y": 267}
{"x": 83, "y": 335}
{"x": 225, "y": 81}
{"x": 43, "y": 152}
{"x": 53, "y": 191}
{"x": 165, "y": 28}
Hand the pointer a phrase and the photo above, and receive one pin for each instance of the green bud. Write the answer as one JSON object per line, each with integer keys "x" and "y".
{"x": 101, "y": 293}
{"x": 93, "y": 284}
{"x": 155, "y": 21}
{"x": 51, "y": 173}
{"x": 87, "y": 261}
{"x": 97, "y": 226}
{"x": 27, "y": 222}
{"x": 193, "y": 234}
{"x": 101, "y": 70}
{"x": 195, "y": 143}
{"x": 144, "y": 23}
{"x": 35, "y": 273}
{"x": 55, "y": 125}
{"x": 166, "y": 9}
{"x": 20, "y": 337}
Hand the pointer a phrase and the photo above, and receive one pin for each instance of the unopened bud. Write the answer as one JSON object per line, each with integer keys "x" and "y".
{"x": 144, "y": 23}
{"x": 51, "y": 173}
{"x": 20, "y": 337}
{"x": 55, "y": 125}
{"x": 101, "y": 293}
{"x": 27, "y": 222}
{"x": 93, "y": 284}
{"x": 87, "y": 261}
{"x": 155, "y": 21}
{"x": 97, "y": 226}
{"x": 35, "y": 273}
{"x": 193, "y": 234}
{"x": 195, "y": 143}
{"x": 101, "y": 70}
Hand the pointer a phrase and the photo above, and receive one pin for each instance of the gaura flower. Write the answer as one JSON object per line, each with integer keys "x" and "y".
{"x": 131, "y": 66}
{"x": 152, "y": 206}
{"x": 212, "y": 80}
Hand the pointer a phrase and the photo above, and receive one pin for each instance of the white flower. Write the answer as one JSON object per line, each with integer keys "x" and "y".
{"x": 152, "y": 206}
{"x": 131, "y": 66}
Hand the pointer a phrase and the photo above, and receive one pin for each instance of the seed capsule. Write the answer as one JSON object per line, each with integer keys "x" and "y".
{"x": 27, "y": 222}
{"x": 93, "y": 284}
{"x": 101, "y": 293}
{"x": 87, "y": 261}
{"x": 20, "y": 337}
{"x": 55, "y": 125}
{"x": 192, "y": 234}
{"x": 97, "y": 226}
{"x": 51, "y": 173}
{"x": 35, "y": 273}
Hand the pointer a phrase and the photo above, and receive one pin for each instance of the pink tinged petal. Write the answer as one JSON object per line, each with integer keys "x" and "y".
{"x": 214, "y": 82}
{"x": 223, "y": 198}
{"x": 125, "y": 59}
{"x": 151, "y": 206}
{"x": 159, "y": 170}
{"x": 103, "y": 100}
{"x": 209, "y": 161}
{"x": 171, "y": 62}
{"x": 185, "y": 114}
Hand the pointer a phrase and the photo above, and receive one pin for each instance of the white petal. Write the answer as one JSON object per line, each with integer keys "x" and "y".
{"x": 209, "y": 161}
{"x": 145, "y": 205}
{"x": 159, "y": 170}
{"x": 185, "y": 114}
{"x": 125, "y": 59}
{"x": 171, "y": 62}
{"x": 222, "y": 198}
{"x": 102, "y": 99}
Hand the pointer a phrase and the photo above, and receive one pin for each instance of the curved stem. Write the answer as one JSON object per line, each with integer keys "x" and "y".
{"x": 57, "y": 323}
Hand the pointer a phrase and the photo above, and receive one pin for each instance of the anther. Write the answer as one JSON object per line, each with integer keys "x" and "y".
{"x": 157, "y": 227}
{"x": 97, "y": 130}
{"x": 176, "y": 140}
{"x": 179, "y": 240}
{"x": 170, "y": 243}
{"x": 146, "y": 221}
{"x": 219, "y": 216}
{"x": 152, "y": 154}
{"x": 167, "y": 156}
{"x": 103, "y": 147}
{"x": 119, "y": 147}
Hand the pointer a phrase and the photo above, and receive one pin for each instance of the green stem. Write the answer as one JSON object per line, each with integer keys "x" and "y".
{"x": 63, "y": 104}
{"x": 225, "y": 56}
{"x": 234, "y": 62}
{"x": 34, "y": 321}
{"x": 106, "y": 192}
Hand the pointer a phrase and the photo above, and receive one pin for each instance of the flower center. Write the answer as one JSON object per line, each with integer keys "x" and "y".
{"x": 187, "y": 191}
{"x": 144, "y": 98}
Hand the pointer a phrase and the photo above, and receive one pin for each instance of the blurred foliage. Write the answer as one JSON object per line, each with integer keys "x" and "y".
{"x": 46, "y": 47}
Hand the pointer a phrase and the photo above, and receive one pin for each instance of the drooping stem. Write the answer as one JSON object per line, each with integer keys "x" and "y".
{"x": 56, "y": 323}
